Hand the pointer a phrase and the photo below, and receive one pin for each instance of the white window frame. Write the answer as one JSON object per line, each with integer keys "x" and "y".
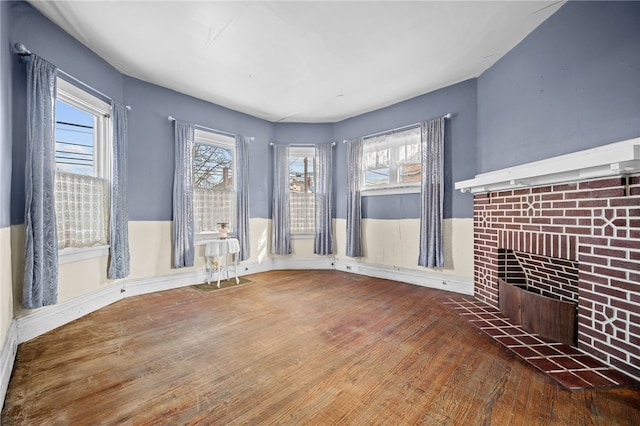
{"x": 211, "y": 137}
{"x": 310, "y": 152}
{"x": 390, "y": 188}
{"x": 81, "y": 99}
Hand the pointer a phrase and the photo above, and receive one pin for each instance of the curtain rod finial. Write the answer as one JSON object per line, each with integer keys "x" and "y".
{"x": 22, "y": 49}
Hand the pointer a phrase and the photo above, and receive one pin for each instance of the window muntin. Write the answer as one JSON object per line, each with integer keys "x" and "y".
{"x": 214, "y": 191}
{"x": 392, "y": 160}
{"x": 302, "y": 178}
{"x": 82, "y": 168}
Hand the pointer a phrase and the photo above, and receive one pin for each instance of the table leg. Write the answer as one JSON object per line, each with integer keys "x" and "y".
{"x": 235, "y": 267}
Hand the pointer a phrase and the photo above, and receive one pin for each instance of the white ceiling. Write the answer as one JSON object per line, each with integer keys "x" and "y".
{"x": 300, "y": 61}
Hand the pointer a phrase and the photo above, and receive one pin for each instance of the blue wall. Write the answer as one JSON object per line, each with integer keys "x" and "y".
{"x": 6, "y": 59}
{"x": 46, "y": 39}
{"x": 572, "y": 84}
{"x": 459, "y": 155}
{"x": 151, "y": 147}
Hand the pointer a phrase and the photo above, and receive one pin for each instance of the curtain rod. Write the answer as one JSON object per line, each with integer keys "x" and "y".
{"x": 22, "y": 50}
{"x": 209, "y": 129}
{"x": 397, "y": 129}
{"x": 300, "y": 144}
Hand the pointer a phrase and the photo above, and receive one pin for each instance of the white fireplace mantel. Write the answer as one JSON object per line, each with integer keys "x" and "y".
{"x": 614, "y": 159}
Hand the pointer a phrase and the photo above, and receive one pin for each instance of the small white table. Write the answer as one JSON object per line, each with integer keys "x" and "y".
{"x": 213, "y": 253}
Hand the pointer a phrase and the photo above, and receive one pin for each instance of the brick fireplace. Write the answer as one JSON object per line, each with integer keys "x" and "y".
{"x": 592, "y": 224}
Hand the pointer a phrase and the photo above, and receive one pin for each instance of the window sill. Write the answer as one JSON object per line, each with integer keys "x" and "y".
{"x": 391, "y": 191}
{"x": 302, "y": 236}
{"x": 70, "y": 255}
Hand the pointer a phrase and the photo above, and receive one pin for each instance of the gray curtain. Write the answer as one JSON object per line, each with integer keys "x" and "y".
{"x": 280, "y": 215}
{"x": 119, "y": 213}
{"x": 242, "y": 204}
{"x": 431, "y": 195}
{"x": 40, "y": 286}
{"x": 183, "y": 226}
{"x": 323, "y": 242}
{"x": 354, "y": 205}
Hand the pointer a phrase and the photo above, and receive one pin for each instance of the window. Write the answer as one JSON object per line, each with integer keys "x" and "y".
{"x": 302, "y": 190}
{"x": 392, "y": 160}
{"x": 214, "y": 190}
{"x": 82, "y": 168}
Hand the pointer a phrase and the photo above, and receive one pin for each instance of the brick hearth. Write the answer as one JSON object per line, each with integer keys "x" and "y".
{"x": 595, "y": 223}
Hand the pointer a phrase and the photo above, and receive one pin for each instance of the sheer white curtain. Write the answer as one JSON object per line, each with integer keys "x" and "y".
{"x": 354, "y": 203}
{"x": 432, "y": 193}
{"x": 82, "y": 213}
{"x": 280, "y": 214}
{"x": 40, "y": 286}
{"x": 183, "y": 226}
{"x": 323, "y": 241}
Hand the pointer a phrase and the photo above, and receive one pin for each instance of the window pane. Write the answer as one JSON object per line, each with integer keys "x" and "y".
{"x": 75, "y": 151}
{"x": 81, "y": 190}
{"x": 302, "y": 194}
{"x": 392, "y": 159}
{"x": 212, "y": 167}
{"x": 377, "y": 177}
{"x": 214, "y": 196}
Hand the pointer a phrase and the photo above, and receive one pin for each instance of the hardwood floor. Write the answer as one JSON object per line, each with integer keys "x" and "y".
{"x": 293, "y": 347}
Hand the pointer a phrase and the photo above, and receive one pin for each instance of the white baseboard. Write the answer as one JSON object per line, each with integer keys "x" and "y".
{"x": 424, "y": 278}
{"x": 48, "y": 318}
{"x": 7, "y": 358}
{"x": 136, "y": 287}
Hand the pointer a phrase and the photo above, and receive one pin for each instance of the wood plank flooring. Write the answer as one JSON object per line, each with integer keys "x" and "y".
{"x": 293, "y": 347}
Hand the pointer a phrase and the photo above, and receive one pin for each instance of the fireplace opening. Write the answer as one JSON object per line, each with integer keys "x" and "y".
{"x": 540, "y": 293}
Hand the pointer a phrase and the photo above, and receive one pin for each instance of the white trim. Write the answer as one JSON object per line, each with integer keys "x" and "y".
{"x": 614, "y": 159}
{"x": 302, "y": 151}
{"x": 7, "y": 359}
{"x": 424, "y": 278}
{"x": 302, "y": 236}
{"x": 391, "y": 190}
{"x": 213, "y": 138}
{"x": 70, "y": 255}
{"x": 140, "y": 286}
{"x": 80, "y": 98}
{"x": 46, "y": 319}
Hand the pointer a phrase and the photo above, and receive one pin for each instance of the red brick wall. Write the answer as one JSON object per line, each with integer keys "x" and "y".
{"x": 549, "y": 276}
{"x": 597, "y": 223}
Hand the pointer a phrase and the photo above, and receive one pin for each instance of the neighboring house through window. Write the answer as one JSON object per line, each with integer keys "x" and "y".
{"x": 83, "y": 144}
{"x": 392, "y": 161}
{"x": 214, "y": 189}
{"x": 302, "y": 190}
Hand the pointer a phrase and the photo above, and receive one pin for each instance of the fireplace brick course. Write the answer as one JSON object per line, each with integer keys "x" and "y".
{"x": 593, "y": 222}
